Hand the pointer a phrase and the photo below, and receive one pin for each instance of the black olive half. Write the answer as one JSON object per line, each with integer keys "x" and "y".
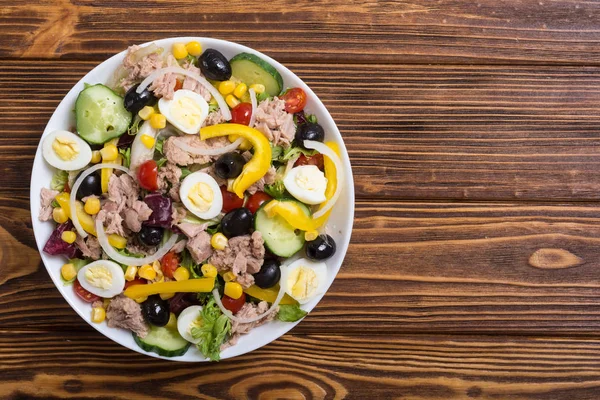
{"x": 309, "y": 132}
{"x": 214, "y": 65}
{"x": 229, "y": 165}
{"x": 321, "y": 248}
{"x": 91, "y": 185}
{"x": 269, "y": 274}
{"x": 135, "y": 101}
{"x": 156, "y": 311}
{"x": 237, "y": 222}
{"x": 150, "y": 235}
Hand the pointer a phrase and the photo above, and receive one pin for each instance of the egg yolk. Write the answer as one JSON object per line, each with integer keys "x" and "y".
{"x": 302, "y": 282}
{"x": 186, "y": 112}
{"x": 311, "y": 179}
{"x": 201, "y": 195}
{"x": 65, "y": 148}
{"x": 99, "y": 276}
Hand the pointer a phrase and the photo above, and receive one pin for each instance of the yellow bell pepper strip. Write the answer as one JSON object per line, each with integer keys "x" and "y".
{"x": 260, "y": 162}
{"x": 294, "y": 214}
{"x": 203, "y": 285}
{"x": 106, "y": 173}
{"x": 63, "y": 200}
{"x": 86, "y": 221}
{"x": 269, "y": 295}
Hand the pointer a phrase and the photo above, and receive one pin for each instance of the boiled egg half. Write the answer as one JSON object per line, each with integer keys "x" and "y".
{"x": 306, "y": 183}
{"x": 303, "y": 279}
{"x": 65, "y": 150}
{"x": 186, "y": 111}
{"x": 201, "y": 195}
{"x": 187, "y": 320}
{"x": 103, "y": 278}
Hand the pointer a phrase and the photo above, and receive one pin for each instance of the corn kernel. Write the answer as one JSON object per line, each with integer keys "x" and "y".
{"x": 309, "y": 236}
{"x": 226, "y": 87}
{"x": 146, "y": 112}
{"x": 233, "y": 290}
{"x": 59, "y": 215}
{"x": 92, "y": 205}
{"x": 166, "y": 296}
{"x": 131, "y": 272}
{"x": 172, "y": 324}
{"x": 148, "y": 141}
{"x": 68, "y": 236}
{"x": 98, "y": 315}
{"x": 96, "y": 157}
{"x": 218, "y": 241}
{"x": 117, "y": 241}
{"x": 147, "y": 272}
{"x": 229, "y": 276}
{"x": 194, "y": 48}
{"x": 179, "y": 51}
{"x": 68, "y": 272}
{"x": 209, "y": 271}
{"x": 140, "y": 299}
{"x": 231, "y": 101}
{"x": 181, "y": 274}
{"x": 240, "y": 90}
{"x": 109, "y": 152}
{"x": 258, "y": 88}
{"x": 158, "y": 121}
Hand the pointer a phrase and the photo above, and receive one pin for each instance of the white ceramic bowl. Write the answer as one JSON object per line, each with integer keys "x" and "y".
{"x": 339, "y": 225}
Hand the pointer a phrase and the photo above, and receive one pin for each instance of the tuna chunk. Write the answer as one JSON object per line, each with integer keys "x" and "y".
{"x": 89, "y": 247}
{"x": 244, "y": 255}
{"x": 175, "y": 155}
{"x": 213, "y": 118}
{"x": 248, "y": 311}
{"x": 123, "y": 205}
{"x": 199, "y": 247}
{"x": 179, "y": 246}
{"x": 164, "y": 85}
{"x": 138, "y": 213}
{"x": 123, "y": 312}
{"x": 110, "y": 217}
{"x": 138, "y": 69}
{"x": 193, "y": 85}
{"x": 268, "y": 179}
{"x": 46, "y": 196}
{"x": 192, "y": 230}
{"x": 168, "y": 180}
{"x": 178, "y": 214}
{"x": 274, "y": 122}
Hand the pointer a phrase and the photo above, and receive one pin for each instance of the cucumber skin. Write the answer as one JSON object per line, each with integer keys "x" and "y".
{"x": 158, "y": 350}
{"x": 271, "y": 70}
{"x": 269, "y": 247}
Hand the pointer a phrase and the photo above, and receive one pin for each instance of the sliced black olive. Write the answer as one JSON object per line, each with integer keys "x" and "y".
{"x": 321, "y": 248}
{"x": 150, "y": 235}
{"x": 269, "y": 274}
{"x": 237, "y": 222}
{"x": 91, "y": 185}
{"x": 229, "y": 165}
{"x": 156, "y": 311}
{"x": 214, "y": 65}
{"x": 135, "y": 101}
{"x": 309, "y": 131}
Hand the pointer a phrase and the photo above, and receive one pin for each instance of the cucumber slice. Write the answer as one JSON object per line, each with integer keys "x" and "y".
{"x": 100, "y": 114}
{"x": 280, "y": 238}
{"x": 163, "y": 341}
{"x": 252, "y": 69}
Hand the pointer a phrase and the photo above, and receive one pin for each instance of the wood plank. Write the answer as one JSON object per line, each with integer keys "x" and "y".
{"x": 446, "y": 31}
{"x": 413, "y": 132}
{"x": 411, "y": 267}
{"x": 66, "y": 364}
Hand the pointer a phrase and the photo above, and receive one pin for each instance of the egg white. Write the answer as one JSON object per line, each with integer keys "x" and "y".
{"x": 82, "y": 159}
{"x": 118, "y": 279}
{"x": 139, "y": 152}
{"x": 185, "y": 320}
{"x": 169, "y": 108}
{"x": 302, "y": 194}
{"x": 320, "y": 270}
{"x": 189, "y": 182}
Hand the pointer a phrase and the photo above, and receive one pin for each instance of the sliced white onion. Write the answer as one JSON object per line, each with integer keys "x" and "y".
{"x": 120, "y": 258}
{"x": 177, "y": 70}
{"x": 254, "y": 107}
{"x": 327, "y": 152}
{"x": 232, "y": 317}
{"x": 210, "y": 151}
{"x": 75, "y": 188}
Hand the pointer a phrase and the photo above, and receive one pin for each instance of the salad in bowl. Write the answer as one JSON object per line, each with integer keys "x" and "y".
{"x": 192, "y": 199}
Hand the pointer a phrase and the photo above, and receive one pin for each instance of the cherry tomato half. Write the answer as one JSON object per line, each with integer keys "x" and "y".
{"x": 84, "y": 294}
{"x": 178, "y": 85}
{"x": 233, "y": 305}
{"x": 231, "y": 201}
{"x": 148, "y": 174}
{"x": 169, "y": 263}
{"x": 137, "y": 281}
{"x": 317, "y": 160}
{"x": 241, "y": 113}
{"x": 256, "y": 200}
{"x": 295, "y": 100}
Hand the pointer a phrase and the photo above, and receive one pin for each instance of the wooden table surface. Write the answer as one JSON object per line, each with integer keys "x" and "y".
{"x": 473, "y": 131}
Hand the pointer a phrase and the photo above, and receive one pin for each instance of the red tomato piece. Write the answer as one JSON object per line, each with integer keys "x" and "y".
{"x": 178, "y": 85}
{"x": 148, "y": 174}
{"x": 231, "y": 201}
{"x": 255, "y": 201}
{"x": 169, "y": 263}
{"x": 233, "y": 305}
{"x": 295, "y": 100}
{"x": 137, "y": 281}
{"x": 317, "y": 160}
{"x": 241, "y": 113}
{"x": 84, "y": 294}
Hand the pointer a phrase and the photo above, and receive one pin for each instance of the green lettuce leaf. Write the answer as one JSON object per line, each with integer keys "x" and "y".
{"x": 59, "y": 179}
{"x": 292, "y": 152}
{"x": 213, "y": 331}
{"x": 290, "y": 313}
{"x": 126, "y": 153}
{"x": 276, "y": 190}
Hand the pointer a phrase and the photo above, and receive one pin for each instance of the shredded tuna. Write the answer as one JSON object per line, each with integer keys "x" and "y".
{"x": 192, "y": 230}
{"x": 123, "y": 312}
{"x": 274, "y": 122}
{"x": 110, "y": 217}
{"x": 213, "y": 118}
{"x": 199, "y": 247}
{"x": 176, "y": 155}
{"x": 210, "y": 170}
{"x": 123, "y": 205}
{"x": 169, "y": 176}
{"x": 138, "y": 213}
{"x": 178, "y": 214}
{"x": 144, "y": 251}
{"x": 179, "y": 246}
{"x": 89, "y": 247}
{"x": 244, "y": 255}
{"x": 138, "y": 70}
{"x": 193, "y": 85}
{"x": 46, "y": 197}
{"x": 164, "y": 85}
{"x": 268, "y": 179}
{"x": 247, "y": 311}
